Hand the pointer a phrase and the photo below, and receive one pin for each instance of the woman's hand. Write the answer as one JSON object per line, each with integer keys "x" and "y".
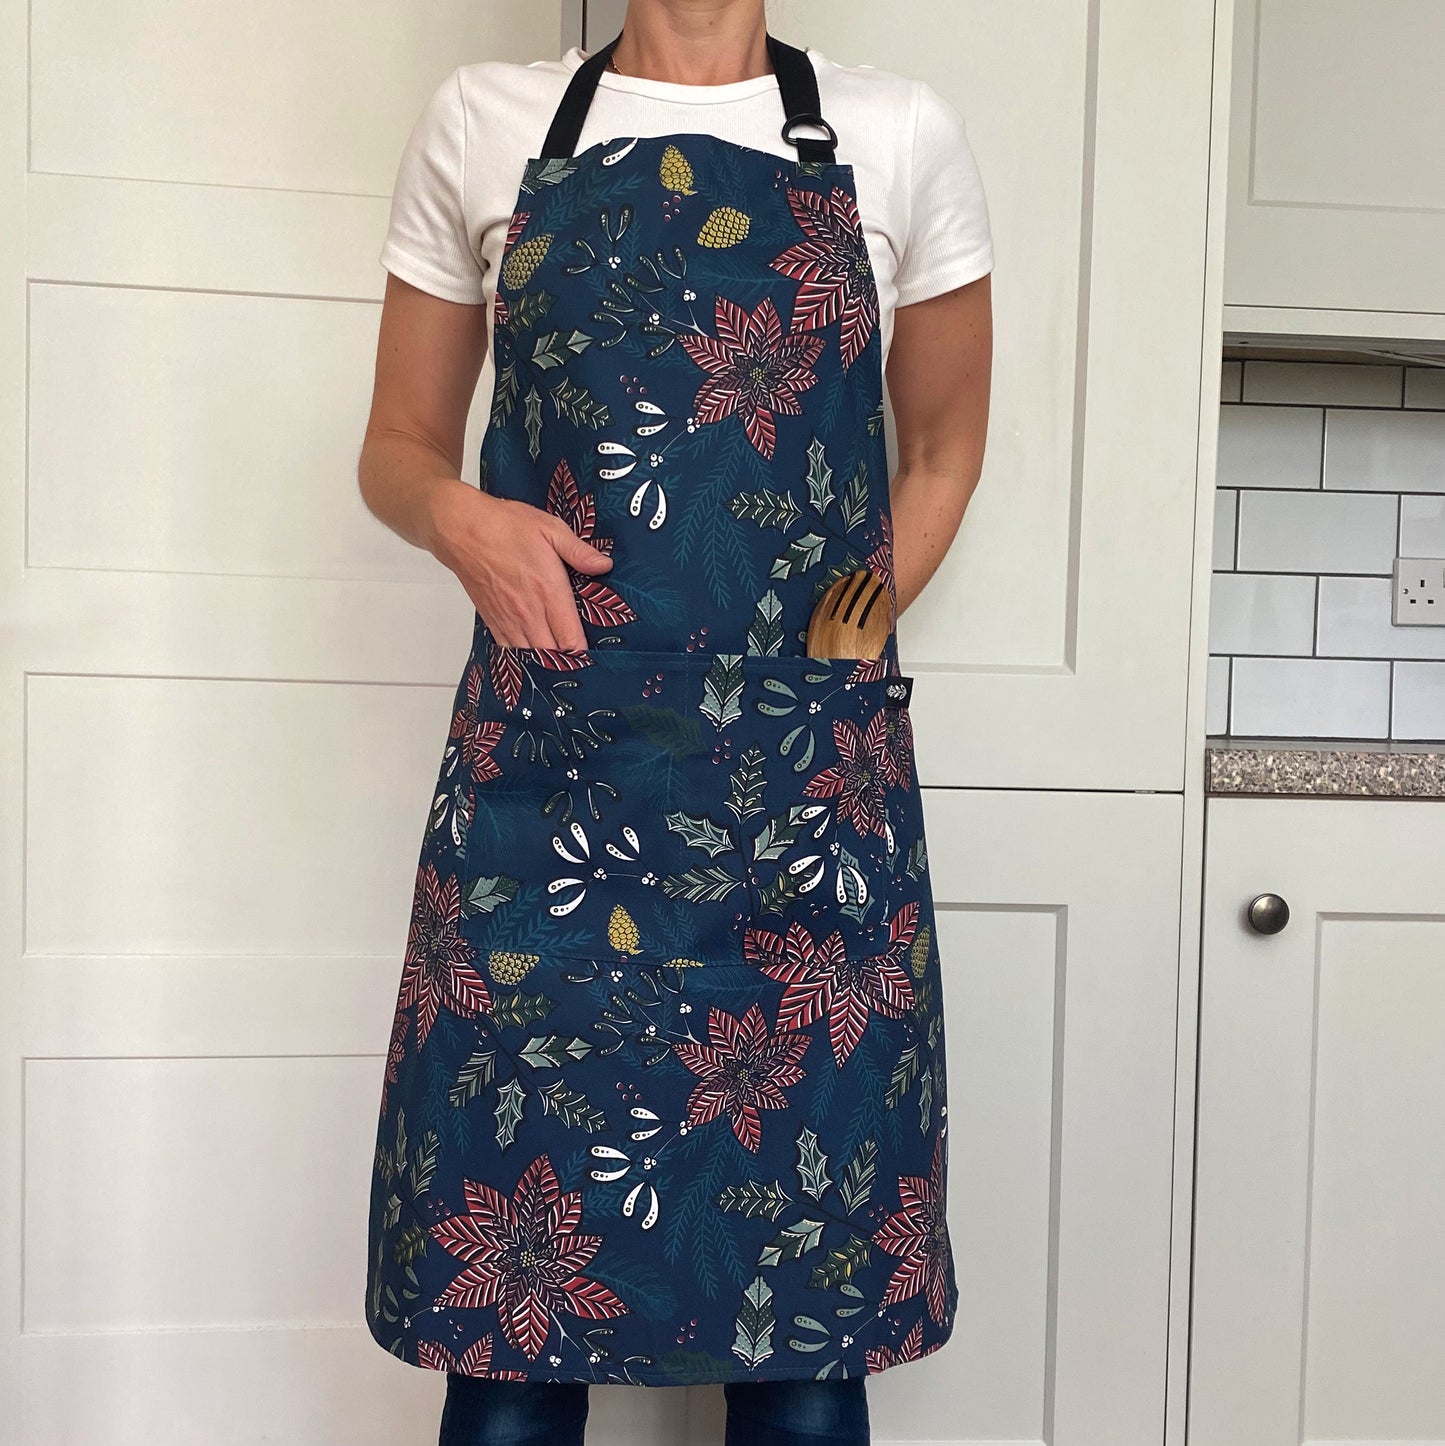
{"x": 511, "y": 557}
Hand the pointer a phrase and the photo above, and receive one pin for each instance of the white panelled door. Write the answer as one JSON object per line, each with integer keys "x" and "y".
{"x": 224, "y": 690}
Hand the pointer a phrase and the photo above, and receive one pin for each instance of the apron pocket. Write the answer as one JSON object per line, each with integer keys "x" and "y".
{"x": 569, "y": 844}
{"x": 793, "y": 814}
{"x": 677, "y": 807}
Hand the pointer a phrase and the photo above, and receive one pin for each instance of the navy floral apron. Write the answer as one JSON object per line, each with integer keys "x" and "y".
{"x": 665, "y": 1097}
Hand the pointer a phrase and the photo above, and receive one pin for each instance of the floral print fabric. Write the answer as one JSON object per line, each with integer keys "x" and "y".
{"x": 665, "y": 1097}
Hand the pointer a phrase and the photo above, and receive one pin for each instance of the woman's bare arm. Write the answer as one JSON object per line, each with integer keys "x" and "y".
{"x": 940, "y": 369}
{"x": 511, "y": 557}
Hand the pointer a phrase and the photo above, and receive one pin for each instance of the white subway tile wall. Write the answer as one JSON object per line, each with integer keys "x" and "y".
{"x": 1316, "y": 531}
{"x": 1424, "y": 386}
{"x": 1309, "y": 697}
{"x": 1419, "y": 701}
{"x": 1216, "y": 696}
{"x": 1260, "y": 612}
{"x": 1379, "y": 451}
{"x": 1326, "y": 472}
{"x": 1271, "y": 446}
{"x": 1332, "y": 384}
{"x": 1422, "y": 526}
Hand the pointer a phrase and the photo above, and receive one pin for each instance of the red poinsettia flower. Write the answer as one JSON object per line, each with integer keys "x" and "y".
{"x": 754, "y": 368}
{"x": 439, "y": 968}
{"x": 821, "y": 979}
{"x": 525, "y": 1256}
{"x": 395, "y": 1053}
{"x": 597, "y": 601}
{"x": 476, "y": 1360}
{"x": 910, "y": 1348}
{"x": 834, "y": 266}
{"x": 859, "y": 778}
{"x": 918, "y": 1235}
{"x": 742, "y": 1071}
{"x": 478, "y": 739}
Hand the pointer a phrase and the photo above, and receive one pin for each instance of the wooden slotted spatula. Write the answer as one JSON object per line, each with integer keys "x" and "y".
{"x": 852, "y": 619}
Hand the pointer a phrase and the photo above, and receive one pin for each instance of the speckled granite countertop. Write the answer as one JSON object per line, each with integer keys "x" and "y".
{"x": 1335, "y": 768}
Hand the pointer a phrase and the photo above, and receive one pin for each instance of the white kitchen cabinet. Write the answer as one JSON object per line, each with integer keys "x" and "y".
{"x": 1336, "y": 210}
{"x": 1319, "y": 1257}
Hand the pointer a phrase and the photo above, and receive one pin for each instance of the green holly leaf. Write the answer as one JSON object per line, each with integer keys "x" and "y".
{"x": 781, "y": 833}
{"x": 490, "y": 893}
{"x": 554, "y": 1050}
{"x": 812, "y": 1164}
{"x": 801, "y": 554}
{"x": 839, "y": 1265}
{"x": 700, "y": 833}
{"x": 820, "y": 477}
{"x": 509, "y": 1111}
{"x": 557, "y": 348}
{"x": 795, "y": 1241}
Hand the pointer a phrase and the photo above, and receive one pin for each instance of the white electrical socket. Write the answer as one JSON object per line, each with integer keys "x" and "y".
{"x": 1419, "y": 591}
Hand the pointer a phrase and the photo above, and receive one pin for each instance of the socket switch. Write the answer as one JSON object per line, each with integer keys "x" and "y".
{"x": 1419, "y": 592}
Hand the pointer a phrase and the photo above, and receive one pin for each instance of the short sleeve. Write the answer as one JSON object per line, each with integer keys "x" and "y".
{"x": 426, "y": 239}
{"x": 948, "y": 241}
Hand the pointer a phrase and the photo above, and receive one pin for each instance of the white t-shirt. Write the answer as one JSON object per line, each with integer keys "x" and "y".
{"x": 920, "y": 196}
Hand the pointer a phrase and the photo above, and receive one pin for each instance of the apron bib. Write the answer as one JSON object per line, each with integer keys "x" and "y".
{"x": 665, "y": 1096}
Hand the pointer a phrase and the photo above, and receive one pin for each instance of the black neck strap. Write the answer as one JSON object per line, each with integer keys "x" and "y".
{"x": 797, "y": 84}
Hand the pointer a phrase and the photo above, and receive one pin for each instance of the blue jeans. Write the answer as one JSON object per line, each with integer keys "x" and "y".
{"x": 484, "y": 1412}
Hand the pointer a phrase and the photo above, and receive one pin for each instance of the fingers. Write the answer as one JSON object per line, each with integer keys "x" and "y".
{"x": 575, "y": 552}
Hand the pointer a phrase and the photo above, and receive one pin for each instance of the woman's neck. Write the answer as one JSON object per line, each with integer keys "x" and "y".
{"x": 694, "y": 42}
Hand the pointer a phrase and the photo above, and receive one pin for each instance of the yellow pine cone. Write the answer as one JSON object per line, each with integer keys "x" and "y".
{"x": 685, "y": 963}
{"x": 510, "y": 968}
{"x": 725, "y": 227}
{"x": 524, "y": 259}
{"x": 675, "y": 172}
{"x": 918, "y": 953}
{"x": 622, "y": 933}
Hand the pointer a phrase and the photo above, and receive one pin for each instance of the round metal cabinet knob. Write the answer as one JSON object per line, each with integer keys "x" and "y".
{"x": 1267, "y": 913}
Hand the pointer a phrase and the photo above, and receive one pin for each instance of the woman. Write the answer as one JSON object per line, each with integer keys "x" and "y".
{"x": 665, "y": 1099}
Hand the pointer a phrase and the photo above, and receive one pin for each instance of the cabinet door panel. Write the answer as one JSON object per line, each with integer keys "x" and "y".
{"x": 1336, "y": 193}
{"x": 1319, "y": 1263}
{"x": 1058, "y": 925}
